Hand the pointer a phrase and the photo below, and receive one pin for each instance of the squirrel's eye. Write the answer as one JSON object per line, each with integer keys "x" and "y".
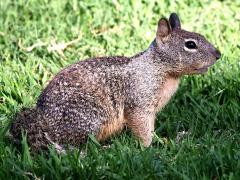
{"x": 191, "y": 45}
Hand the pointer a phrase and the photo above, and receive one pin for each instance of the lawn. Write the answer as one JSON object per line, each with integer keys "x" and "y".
{"x": 197, "y": 134}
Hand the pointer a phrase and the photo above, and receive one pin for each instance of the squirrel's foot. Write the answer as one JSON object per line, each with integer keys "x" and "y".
{"x": 147, "y": 140}
{"x": 143, "y": 128}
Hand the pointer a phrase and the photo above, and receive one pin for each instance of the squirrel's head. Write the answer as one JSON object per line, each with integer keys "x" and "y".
{"x": 186, "y": 52}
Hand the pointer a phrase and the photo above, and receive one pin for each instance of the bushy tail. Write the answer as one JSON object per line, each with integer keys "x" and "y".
{"x": 22, "y": 122}
{"x": 31, "y": 122}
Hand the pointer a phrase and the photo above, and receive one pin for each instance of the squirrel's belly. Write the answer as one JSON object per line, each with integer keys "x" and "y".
{"x": 111, "y": 127}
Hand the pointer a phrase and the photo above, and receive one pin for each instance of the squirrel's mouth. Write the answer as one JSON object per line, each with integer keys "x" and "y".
{"x": 203, "y": 69}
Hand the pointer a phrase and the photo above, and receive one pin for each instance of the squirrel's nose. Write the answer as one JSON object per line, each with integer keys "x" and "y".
{"x": 217, "y": 54}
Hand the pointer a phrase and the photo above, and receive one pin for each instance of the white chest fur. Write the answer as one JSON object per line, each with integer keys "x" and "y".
{"x": 169, "y": 87}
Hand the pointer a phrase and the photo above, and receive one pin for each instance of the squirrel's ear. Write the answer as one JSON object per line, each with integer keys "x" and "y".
{"x": 163, "y": 28}
{"x": 174, "y": 21}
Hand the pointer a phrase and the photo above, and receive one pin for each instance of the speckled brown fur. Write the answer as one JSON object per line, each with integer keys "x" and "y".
{"x": 101, "y": 95}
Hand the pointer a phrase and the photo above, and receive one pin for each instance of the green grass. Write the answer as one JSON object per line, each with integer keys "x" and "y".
{"x": 207, "y": 107}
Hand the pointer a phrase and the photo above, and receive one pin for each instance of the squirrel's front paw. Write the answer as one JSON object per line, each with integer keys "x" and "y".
{"x": 147, "y": 141}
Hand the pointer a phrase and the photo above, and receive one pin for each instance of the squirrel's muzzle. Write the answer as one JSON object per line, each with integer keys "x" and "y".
{"x": 217, "y": 54}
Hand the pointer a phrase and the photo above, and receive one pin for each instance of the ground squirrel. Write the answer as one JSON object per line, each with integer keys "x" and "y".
{"x": 101, "y": 95}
